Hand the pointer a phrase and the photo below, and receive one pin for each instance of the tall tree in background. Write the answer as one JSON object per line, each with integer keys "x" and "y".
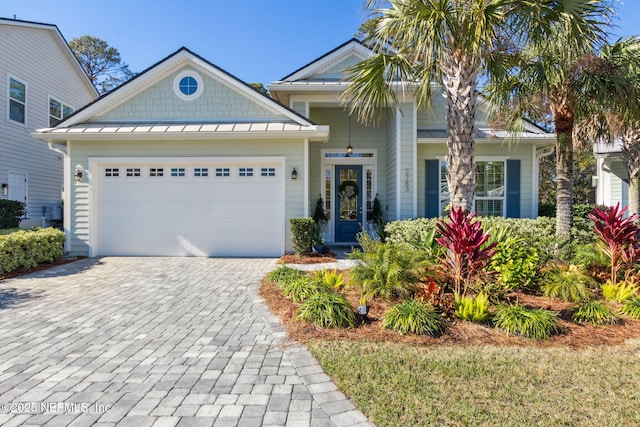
{"x": 101, "y": 62}
{"x": 620, "y": 123}
{"x": 452, "y": 42}
{"x": 552, "y": 74}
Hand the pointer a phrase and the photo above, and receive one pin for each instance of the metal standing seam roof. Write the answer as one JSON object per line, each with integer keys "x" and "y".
{"x": 173, "y": 128}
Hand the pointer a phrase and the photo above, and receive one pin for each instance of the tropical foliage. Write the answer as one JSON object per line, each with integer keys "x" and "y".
{"x": 474, "y": 309}
{"x": 516, "y": 319}
{"x": 467, "y": 255}
{"x": 413, "y": 317}
{"x": 327, "y": 310}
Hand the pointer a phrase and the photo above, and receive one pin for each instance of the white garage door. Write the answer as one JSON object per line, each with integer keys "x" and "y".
{"x": 178, "y": 208}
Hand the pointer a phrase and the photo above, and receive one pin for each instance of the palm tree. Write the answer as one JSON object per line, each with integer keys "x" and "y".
{"x": 558, "y": 78}
{"x": 451, "y": 42}
{"x": 621, "y": 121}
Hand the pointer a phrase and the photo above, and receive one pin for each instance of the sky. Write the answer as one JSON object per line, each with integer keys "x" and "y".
{"x": 255, "y": 40}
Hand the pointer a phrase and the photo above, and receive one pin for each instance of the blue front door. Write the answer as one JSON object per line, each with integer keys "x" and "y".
{"x": 348, "y": 202}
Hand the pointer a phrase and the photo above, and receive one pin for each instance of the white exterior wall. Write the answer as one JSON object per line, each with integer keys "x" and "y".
{"x": 36, "y": 57}
{"x": 81, "y": 151}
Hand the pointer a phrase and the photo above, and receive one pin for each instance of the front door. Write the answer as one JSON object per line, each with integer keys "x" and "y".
{"x": 348, "y": 202}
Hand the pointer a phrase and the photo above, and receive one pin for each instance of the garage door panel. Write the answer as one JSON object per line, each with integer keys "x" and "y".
{"x": 187, "y": 216}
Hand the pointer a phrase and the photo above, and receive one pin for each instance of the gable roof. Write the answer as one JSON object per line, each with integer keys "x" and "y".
{"x": 84, "y": 123}
{"x": 346, "y": 49}
{"x": 62, "y": 42}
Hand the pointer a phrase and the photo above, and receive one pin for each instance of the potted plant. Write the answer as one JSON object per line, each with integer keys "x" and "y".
{"x": 375, "y": 221}
{"x": 320, "y": 220}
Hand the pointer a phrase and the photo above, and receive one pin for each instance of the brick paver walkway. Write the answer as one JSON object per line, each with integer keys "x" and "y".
{"x": 155, "y": 342}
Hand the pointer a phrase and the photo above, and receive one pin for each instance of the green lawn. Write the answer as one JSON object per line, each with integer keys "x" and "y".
{"x": 405, "y": 385}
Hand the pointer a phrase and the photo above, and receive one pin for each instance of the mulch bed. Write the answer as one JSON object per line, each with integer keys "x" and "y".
{"x": 312, "y": 258}
{"x": 458, "y": 332}
{"x": 42, "y": 266}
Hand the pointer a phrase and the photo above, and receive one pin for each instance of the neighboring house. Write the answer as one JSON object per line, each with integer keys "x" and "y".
{"x": 42, "y": 83}
{"x": 612, "y": 183}
{"x": 185, "y": 159}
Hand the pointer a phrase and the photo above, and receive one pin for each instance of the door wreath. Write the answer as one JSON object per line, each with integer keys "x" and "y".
{"x": 348, "y": 190}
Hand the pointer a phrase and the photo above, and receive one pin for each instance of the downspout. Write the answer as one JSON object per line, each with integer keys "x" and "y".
{"x": 540, "y": 154}
{"x": 67, "y": 192}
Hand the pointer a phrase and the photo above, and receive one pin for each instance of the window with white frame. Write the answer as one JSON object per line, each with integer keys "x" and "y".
{"x": 17, "y": 101}
{"x": 490, "y": 188}
{"x": 58, "y": 111}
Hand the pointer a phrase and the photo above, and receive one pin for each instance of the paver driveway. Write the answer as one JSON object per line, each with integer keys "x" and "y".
{"x": 155, "y": 341}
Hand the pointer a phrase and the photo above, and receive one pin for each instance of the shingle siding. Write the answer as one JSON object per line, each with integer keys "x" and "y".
{"x": 218, "y": 101}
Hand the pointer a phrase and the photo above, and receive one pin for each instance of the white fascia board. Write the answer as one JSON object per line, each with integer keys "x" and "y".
{"x": 322, "y": 64}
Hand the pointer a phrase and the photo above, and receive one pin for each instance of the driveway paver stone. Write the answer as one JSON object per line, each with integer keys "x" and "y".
{"x": 156, "y": 342}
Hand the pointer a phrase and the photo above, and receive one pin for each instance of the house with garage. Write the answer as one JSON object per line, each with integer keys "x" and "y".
{"x": 42, "y": 84}
{"x": 186, "y": 159}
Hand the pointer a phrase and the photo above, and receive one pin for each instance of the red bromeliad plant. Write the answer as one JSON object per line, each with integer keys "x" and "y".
{"x": 618, "y": 237}
{"x": 464, "y": 239}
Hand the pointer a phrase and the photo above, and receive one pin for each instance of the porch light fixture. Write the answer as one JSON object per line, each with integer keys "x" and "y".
{"x": 5, "y": 189}
{"x": 294, "y": 174}
{"x": 78, "y": 174}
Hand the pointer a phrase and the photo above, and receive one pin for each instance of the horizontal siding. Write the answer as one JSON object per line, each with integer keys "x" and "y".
{"x": 362, "y": 138}
{"x": 390, "y": 177}
{"x": 81, "y": 151}
{"x": 35, "y": 57}
{"x": 522, "y": 152}
{"x": 407, "y": 163}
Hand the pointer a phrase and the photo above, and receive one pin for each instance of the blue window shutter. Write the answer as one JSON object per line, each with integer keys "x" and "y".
{"x": 432, "y": 188}
{"x": 513, "y": 188}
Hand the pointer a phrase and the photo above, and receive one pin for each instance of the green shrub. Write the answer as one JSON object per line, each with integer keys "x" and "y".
{"x": 385, "y": 270}
{"x": 10, "y": 213}
{"x": 331, "y": 278}
{"x": 517, "y": 319}
{"x": 589, "y": 255}
{"x": 516, "y": 263}
{"x": 569, "y": 285}
{"x": 413, "y": 317}
{"x": 28, "y": 248}
{"x": 595, "y": 312}
{"x": 631, "y": 307}
{"x": 283, "y": 275}
{"x": 302, "y": 289}
{"x": 327, "y": 310}
{"x": 474, "y": 309}
{"x": 619, "y": 292}
{"x": 303, "y": 233}
{"x": 412, "y": 231}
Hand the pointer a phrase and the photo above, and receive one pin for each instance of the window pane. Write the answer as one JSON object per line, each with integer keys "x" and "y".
{"x": 55, "y": 108}
{"x": 66, "y": 111}
{"x": 490, "y": 179}
{"x": 489, "y": 207}
{"x": 445, "y": 199}
{"x": 16, "y": 111}
{"x": 18, "y": 90}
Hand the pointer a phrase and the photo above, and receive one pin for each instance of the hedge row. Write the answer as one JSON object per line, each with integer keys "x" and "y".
{"x": 28, "y": 248}
{"x": 539, "y": 233}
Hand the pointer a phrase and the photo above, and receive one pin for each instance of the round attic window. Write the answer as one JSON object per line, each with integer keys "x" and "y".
{"x": 188, "y": 85}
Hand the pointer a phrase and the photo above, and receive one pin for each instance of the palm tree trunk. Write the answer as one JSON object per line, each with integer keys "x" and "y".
{"x": 563, "y": 115}
{"x": 460, "y": 80}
